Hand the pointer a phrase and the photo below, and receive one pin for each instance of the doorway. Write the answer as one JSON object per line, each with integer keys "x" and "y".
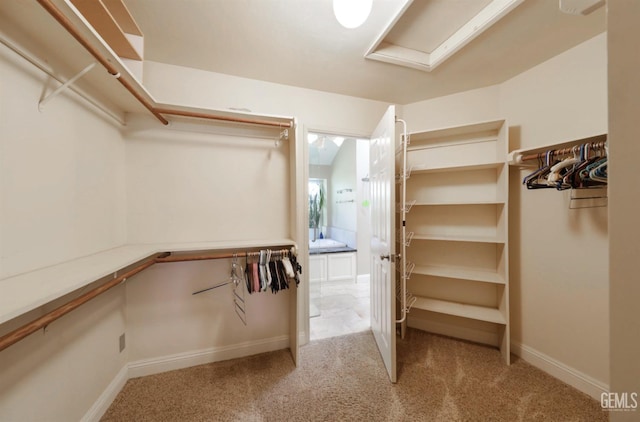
{"x": 339, "y": 230}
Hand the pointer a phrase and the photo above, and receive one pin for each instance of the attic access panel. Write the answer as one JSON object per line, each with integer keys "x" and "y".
{"x": 427, "y": 32}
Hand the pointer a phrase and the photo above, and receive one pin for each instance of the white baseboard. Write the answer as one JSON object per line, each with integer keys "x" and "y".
{"x": 452, "y": 330}
{"x": 559, "y": 370}
{"x": 160, "y": 364}
{"x": 556, "y": 369}
{"x": 107, "y": 397}
{"x": 178, "y": 361}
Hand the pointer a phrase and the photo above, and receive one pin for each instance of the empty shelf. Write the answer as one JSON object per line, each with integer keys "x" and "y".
{"x": 433, "y": 203}
{"x": 457, "y": 238}
{"x": 417, "y": 169}
{"x": 481, "y": 313}
{"x": 460, "y": 273}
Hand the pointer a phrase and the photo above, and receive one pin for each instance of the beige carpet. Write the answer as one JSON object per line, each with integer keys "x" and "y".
{"x": 343, "y": 379}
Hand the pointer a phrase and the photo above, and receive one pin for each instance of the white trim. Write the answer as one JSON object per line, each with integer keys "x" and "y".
{"x": 303, "y": 338}
{"x": 107, "y": 397}
{"x": 363, "y": 278}
{"x": 388, "y": 27}
{"x": 488, "y": 16}
{"x": 559, "y": 370}
{"x": 420, "y": 60}
{"x": 160, "y": 364}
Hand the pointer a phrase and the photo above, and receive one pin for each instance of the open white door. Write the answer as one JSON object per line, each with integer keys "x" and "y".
{"x": 382, "y": 183}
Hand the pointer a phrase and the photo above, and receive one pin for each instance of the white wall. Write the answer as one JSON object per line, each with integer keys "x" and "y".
{"x": 559, "y": 257}
{"x": 364, "y": 211}
{"x": 198, "y": 186}
{"x": 62, "y": 196}
{"x": 624, "y": 207}
{"x": 319, "y": 172}
{"x": 62, "y": 174}
{"x": 318, "y": 111}
{"x": 165, "y": 322}
{"x": 343, "y": 217}
{"x": 477, "y": 105}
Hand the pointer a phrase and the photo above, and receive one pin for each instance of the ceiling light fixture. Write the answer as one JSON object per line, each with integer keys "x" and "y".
{"x": 352, "y": 13}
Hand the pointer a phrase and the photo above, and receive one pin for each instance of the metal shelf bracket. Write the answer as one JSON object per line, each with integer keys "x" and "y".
{"x": 64, "y": 86}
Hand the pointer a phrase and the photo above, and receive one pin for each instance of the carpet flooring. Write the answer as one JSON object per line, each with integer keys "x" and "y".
{"x": 343, "y": 379}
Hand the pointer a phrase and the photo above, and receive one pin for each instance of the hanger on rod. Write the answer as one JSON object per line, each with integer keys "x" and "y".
{"x": 263, "y": 270}
{"x": 584, "y": 167}
{"x": 537, "y": 179}
{"x": 238, "y": 279}
{"x": 212, "y": 287}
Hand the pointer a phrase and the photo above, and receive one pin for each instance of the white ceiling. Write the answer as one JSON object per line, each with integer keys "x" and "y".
{"x": 300, "y": 43}
{"x": 323, "y": 148}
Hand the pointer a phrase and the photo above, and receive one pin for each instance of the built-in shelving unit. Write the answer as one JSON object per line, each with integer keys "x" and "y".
{"x": 457, "y": 201}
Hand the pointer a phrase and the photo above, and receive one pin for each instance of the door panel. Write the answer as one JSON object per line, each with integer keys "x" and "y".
{"x": 382, "y": 184}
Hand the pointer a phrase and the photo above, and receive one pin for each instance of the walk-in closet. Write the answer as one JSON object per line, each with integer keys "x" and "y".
{"x": 254, "y": 210}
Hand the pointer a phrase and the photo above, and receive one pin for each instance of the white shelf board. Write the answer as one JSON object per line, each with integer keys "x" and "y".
{"x": 447, "y": 132}
{"x": 27, "y": 291}
{"x": 481, "y": 313}
{"x": 460, "y": 273}
{"x": 418, "y": 169}
{"x": 452, "y": 238}
{"x": 436, "y": 203}
{"x": 417, "y": 146}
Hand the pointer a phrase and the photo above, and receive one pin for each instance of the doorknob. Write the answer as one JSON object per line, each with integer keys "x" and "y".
{"x": 392, "y": 258}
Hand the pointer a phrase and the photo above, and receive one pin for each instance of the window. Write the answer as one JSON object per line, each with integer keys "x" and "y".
{"x": 317, "y": 203}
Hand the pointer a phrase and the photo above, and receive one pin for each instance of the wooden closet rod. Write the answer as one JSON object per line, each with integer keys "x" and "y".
{"x": 68, "y": 25}
{"x": 563, "y": 151}
{"x": 225, "y": 118}
{"x": 201, "y": 257}
{"x": 46, "y": 319}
